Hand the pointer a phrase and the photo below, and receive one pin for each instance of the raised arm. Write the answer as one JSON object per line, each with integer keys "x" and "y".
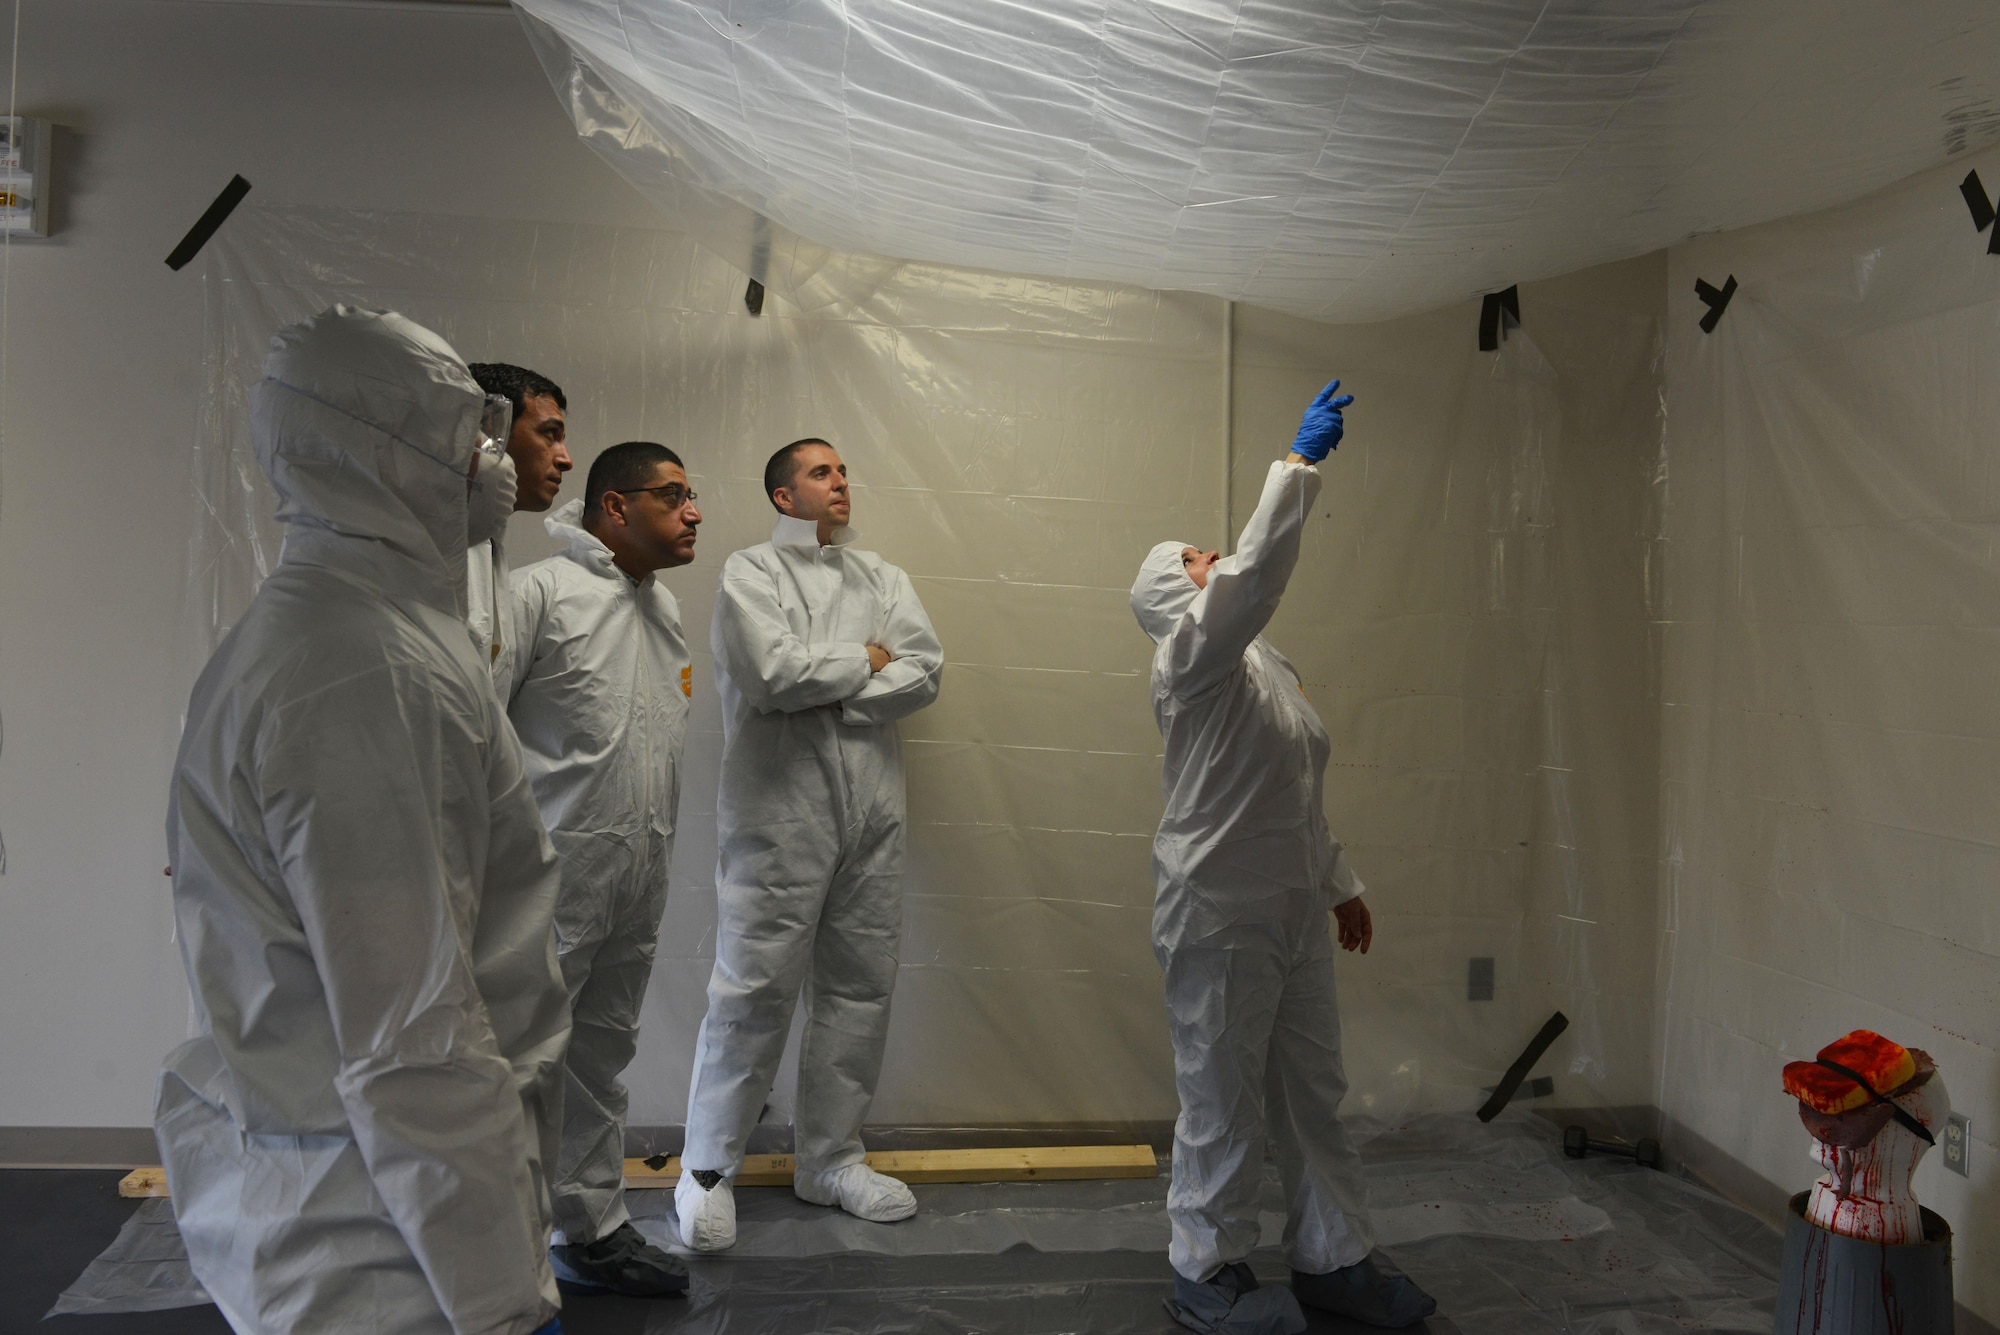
{"x": 365, "y": 847}
{"x": 910, "y": 680}
{"x": 1244, "y": 589}
{"x": 776, "y": 671}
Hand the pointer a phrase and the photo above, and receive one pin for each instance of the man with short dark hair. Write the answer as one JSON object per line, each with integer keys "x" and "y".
{"x": 537, "y": 446}
{"x": 600, "y": 702}
{"x": 819, "y": 649}
{"x": 538, "y": 442}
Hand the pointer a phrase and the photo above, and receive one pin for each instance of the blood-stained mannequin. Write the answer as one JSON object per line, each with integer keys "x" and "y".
{"x": 1873, "y": 1109}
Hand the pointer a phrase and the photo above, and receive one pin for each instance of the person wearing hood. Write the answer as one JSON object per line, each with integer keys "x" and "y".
{"x": 525, "y": 476}
{"x": 820, "y": 648}
{"x": 600, "y": 702}
{"x": 1246, "y": 870}
{"x": 356, "y": 1137}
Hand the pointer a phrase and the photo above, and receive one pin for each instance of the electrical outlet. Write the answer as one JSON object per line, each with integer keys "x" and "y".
{"x": 1479, "y": 978}
{"x": 1957, "y": 1144}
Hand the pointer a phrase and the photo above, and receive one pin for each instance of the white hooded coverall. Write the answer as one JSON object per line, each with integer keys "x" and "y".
{"x": 363, "y": 889}
{"x": 1246, "y": 870}
{"x": 601, "y": 706}
{"x": 810, "y": 823}
{"x": 489, "y": 610}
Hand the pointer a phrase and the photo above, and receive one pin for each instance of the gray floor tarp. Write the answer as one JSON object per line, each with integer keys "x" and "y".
{"x": 1506, "y": 1233}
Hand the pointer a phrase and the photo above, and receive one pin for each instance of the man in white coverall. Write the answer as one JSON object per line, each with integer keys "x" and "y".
{"x": 1246, "y": 871}
{"x": 537, "y": 456}
{"x": 819, "y": 649}
{"x": 601, "y": 707}
{"x": 362, "y": 888}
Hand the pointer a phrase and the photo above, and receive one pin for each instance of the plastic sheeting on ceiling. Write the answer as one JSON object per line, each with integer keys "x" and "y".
{"x": 1341, "y": 161}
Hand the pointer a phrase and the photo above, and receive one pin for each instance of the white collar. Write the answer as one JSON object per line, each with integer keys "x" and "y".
{"x": 584, "y": 547}
{"x": 791, "y": 532}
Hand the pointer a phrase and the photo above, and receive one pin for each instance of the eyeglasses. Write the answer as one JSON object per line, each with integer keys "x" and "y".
{"x": 673, "y": 493}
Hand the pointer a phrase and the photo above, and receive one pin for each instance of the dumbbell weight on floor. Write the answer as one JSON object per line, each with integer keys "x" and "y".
{"x": 1577, "y": 1144}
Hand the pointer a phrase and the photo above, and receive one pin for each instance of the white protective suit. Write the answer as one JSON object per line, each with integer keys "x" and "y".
{"x": 601, "y": 707}
{"x": 363, "y": 889}
{"x": 810, "y": 822}
{"x": 1246, "y": 871}
{"x": 488, "y": 613}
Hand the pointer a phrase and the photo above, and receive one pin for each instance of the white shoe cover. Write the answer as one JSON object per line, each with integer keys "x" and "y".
{"x": 859, "y": 1190}
{"x": 707, "y": 1216}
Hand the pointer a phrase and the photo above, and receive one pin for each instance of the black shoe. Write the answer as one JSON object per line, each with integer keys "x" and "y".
{"x": 623, "y": 1262}
{"x": 1231, "y": 1303}
{"x": 1361, "y": 1292}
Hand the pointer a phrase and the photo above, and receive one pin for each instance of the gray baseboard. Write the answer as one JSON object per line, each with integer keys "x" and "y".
{"x": 78, "y": 1147}
{"x": 1727, "y": 1176}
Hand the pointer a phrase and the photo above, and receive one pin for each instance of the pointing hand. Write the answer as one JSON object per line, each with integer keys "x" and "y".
{"x": 1323, "y": 426}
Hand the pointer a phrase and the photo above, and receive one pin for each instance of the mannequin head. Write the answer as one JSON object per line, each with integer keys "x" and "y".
{"x": 1869, "y": 1154}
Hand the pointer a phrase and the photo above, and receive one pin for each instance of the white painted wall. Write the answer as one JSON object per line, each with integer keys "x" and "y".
{"x": 160, "y": 102}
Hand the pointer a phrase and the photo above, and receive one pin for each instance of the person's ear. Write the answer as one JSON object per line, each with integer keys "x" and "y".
{"x": 613, "y": 505}
{"x": 782, "y": 498}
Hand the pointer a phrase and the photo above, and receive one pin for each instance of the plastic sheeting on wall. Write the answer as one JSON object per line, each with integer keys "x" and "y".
{"x": 1014, "y": 445}
{"x": 1469, "y": 618}
{"x": 1348, "y": 161}
{"x": 1830, "y": 643}
{"x": 1017, "y": 445}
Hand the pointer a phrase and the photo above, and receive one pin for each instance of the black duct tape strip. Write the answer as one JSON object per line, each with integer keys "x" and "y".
{"x": 1716, "y": 299}
{"x": 753, "y": 297}
{"x": 1494, "y": 311}
{"x": 1975, "y": 199}
{"x": 1503, "y": 1093}
{"x": 204, "y": 228}
{"x": 1911, "y": 1124}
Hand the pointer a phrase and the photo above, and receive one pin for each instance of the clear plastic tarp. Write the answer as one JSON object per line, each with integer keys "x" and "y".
{"x": 1830, "y": 640}
{"x": 1350, "y": 161}
{"x": 1468, "y": 618}
{"x": 1510, "y": 1237}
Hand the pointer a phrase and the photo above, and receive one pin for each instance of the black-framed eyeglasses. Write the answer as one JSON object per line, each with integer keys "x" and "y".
{"x": 673, "y": 493}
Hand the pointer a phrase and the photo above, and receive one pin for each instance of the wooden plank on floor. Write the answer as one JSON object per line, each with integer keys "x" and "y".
{"x": 143, "y": 1182}
{"x": 759, "y": 1170}
{"x": 1050, "y": 1163}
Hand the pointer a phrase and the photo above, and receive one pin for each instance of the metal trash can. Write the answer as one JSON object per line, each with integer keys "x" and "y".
{"x": 1830, "y": 1284}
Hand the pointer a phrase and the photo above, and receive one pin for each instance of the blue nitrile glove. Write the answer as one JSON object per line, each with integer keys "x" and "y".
{"x": 553, "y": 1328}
{"x": 1322, "y": 428}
